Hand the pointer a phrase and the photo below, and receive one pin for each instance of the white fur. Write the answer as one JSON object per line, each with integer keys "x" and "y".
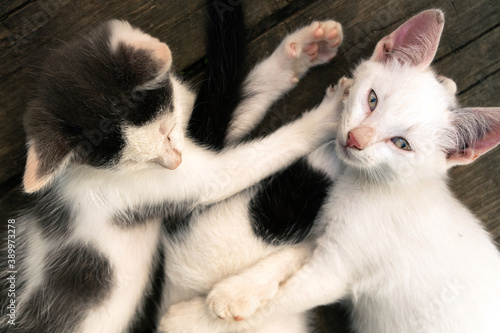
{"x": 131, "y": 253}
{"x": 123, "y": 32}
{"x": 34, "y": 264}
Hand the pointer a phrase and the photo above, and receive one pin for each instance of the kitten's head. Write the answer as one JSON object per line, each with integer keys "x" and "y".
{"x": 108, "y": 99}
{"x": 400, "y": 119}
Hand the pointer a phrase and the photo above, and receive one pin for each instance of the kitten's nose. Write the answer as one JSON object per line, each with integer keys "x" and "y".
{"x": 360, "y": 137}
{"x": 352, "y": 142}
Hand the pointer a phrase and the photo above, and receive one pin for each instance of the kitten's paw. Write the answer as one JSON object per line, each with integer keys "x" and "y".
{"x": 341, "y": 89}
{"x": 331, "y": 91}
{"x": 317, "y": 43}
{"x": 234, "y": 300}
{"x": 331, "y": 105}
{"x": 314, "y": 44}
{"x": 345, "y": 85}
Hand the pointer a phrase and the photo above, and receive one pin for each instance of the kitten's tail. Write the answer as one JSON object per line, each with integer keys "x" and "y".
{"x": 220, "y": 90}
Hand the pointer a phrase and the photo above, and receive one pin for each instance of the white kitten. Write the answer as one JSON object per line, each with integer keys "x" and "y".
{"x": 391, "y": 238}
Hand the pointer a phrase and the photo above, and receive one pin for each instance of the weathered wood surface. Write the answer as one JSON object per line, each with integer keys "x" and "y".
{"x": 468, "y": 53}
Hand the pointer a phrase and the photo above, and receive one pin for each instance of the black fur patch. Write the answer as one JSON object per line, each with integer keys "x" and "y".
{"x": 220, "y": 91}
{"x": 147, "y": 319}
{"x": 77, "y": 278}
{"x": 284, "y": 209}
{"x": 86, "y": 93}
{"x": 176, "y": 224}
{"x": 172, "y": 214}
{"x": 53, "y": 215}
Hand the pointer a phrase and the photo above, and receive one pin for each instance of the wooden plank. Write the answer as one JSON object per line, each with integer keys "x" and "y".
{"x": 473, "y": 62}
{"x": 9, "y": 6}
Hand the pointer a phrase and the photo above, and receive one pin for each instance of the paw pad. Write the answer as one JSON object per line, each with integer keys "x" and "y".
{"x": 318, "y": 42}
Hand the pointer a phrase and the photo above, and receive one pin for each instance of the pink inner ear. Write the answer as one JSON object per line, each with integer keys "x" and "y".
{"x": 32, "y": 180}
{"x": 470, "y": 154}
{"x": 487, "y": 143}
{"x": 415, "y": 42}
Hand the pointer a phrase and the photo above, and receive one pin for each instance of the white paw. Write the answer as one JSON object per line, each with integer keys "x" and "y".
{"x": 345, "y": 86}
{"x": 331, "y": 90}
{"x": 340, "y": 90}
{"x": 314, "y": 44}
{"x": 234, "y": 300}
{"x": 332, "y": 102}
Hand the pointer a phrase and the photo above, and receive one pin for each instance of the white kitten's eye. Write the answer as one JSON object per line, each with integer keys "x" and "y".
{"x": 372, "y": 100}
{"x": 401, "y": 143}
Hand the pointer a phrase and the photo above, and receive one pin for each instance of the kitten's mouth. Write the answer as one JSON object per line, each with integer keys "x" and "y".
{"x": 343, "y": 148}
{"x": 348, "y": 154}
{"x": 349, "y": 151}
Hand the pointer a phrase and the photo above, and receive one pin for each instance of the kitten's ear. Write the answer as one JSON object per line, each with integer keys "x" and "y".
{"x": 41, "y": 168}
{"x": 415, "y": 42}
{"x": 477, "y": 132}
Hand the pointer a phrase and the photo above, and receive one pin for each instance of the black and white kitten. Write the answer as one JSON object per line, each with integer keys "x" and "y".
{"x": 110, "y": 169}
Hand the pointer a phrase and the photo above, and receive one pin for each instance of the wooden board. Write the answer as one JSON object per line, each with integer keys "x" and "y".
{"x": 468, "y": 53}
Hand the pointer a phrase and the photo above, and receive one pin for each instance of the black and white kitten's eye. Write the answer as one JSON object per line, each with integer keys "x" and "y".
{"x": 372, "y": 100}
{"x": 401, "y": 143}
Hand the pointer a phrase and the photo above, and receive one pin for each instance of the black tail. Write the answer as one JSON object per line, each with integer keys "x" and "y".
{"x": 220, "y": 91}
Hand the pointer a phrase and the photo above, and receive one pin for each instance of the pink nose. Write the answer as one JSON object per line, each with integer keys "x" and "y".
{"x": 352, "y": 142}
{"x": 360, "y": 137}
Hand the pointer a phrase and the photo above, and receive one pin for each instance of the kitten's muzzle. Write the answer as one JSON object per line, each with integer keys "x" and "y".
{"x": 171, "y": 160}
{"x": 360, "y": 137}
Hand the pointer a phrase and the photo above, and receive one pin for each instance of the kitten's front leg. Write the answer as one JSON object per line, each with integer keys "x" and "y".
{"x": 309, "y": 46}
{"x": 231, "y": 299}
{"x": 322, "y": 280}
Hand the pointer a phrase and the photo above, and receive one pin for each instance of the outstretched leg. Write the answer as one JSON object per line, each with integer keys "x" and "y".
{"x": 312, "y": 45}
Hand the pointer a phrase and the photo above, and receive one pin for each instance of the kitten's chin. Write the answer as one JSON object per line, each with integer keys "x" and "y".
{"x": 350, "y": 156}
